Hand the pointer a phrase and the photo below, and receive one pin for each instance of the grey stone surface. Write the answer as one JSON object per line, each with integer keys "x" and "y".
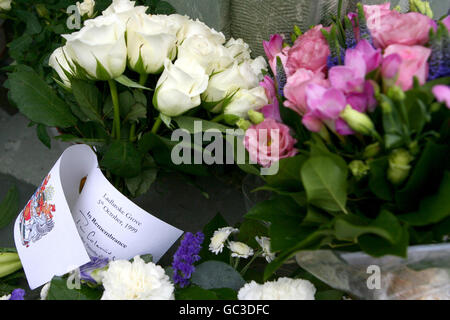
{"x": 215, "y": 13}
{"x": 22, "y": 154}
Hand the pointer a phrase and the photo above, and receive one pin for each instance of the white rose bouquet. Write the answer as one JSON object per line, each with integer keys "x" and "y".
{"x": 128, "y": 77}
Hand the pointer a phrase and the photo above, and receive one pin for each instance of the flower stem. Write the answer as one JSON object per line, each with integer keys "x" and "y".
{"x": 143, "y": 79}
{"x": 115, "y": 99}
{"x": 236, "y": 262}
{"x": 244, "y": 270}
{"x": 157, "y": 125}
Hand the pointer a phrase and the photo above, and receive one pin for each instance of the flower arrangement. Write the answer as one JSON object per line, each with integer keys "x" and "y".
{"x": 359, "y": 114}
{"x": 127, "y": 79}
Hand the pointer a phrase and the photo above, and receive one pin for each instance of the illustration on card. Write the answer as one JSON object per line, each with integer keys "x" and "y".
{"x": 36, "y": 220}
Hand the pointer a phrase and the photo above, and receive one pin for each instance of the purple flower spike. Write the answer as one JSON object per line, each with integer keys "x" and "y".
{"x": 87, "y": 269}
{"x": 17, "y": 294}
{"x": 185, "y": 257}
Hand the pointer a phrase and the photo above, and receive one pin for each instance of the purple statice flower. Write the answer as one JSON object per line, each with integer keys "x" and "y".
{"x": 87, "y": 269}
{"x": 185, "y": 257}
{"x": 17, "y": 294}
{"x": 440, "y": 58}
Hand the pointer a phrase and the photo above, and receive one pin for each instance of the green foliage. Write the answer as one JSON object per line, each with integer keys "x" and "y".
{"x": 9, "y": 207}
{"x": 59, "y": 290}
{"x": 216, "y": 275}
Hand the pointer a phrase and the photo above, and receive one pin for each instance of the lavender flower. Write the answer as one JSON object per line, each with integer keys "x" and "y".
{"x": 185, "y": 257}
{"x": 17, "y": 294}
{"x": 87, "y": 269}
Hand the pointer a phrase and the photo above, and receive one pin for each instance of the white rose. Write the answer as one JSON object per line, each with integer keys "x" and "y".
{"x": 101, "y": 40}
{"x": 227, "y": 82}
{"x": 59, "y": 61}
{"x": 238, "y": 49}
{"x": 178, "y": 89}
{"x": 124, "y": 9}
{"x": 5, "y": 5}
{"x": 281, "y": 289}
{"x": 153, "y": 39}
{"x": 211, "y": 56}
{"x": 240, "y": 250}
{"x": 264, "y": 243}
{"x": 258, "y": 66}
{"x": 191, "y": 28}
{"x": 136, "y": 280}
{"x": 219, "y": 237}
{"x": 86, "y": 8}
{"x": 245, "y": 100}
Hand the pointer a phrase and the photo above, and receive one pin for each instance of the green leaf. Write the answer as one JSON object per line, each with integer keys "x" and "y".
{"x": 288, "y": 177}
{"x": 216, "y": 275}
{"x": 122, "y": 159}
{"x": 225, "y": 294}
{"x": 32, "y": 22}
{"x": 43, "y": 136}
{"x": 378, "y": 182}
{"x": 88, "y": 98}
{"x": 425, "y": 177}
{"x": 37, "y": 101}
{"x": 271, "y": 210}
{"x": 250, "y": 229}
{"x": 9, "y": 207}
{"x": 141, "y": 184}
{"x": 59, "y": 291}
{"x": 386, "y": 225}
{"x": 75, "y": 139}
{"x": 325, "y": 182}
{"x": 379, "y": 247}
{"x": 127, "y": 82}
{"x": 195, "y": 293}
{"x": 138, "y": 111}
{"x": 329, "y": 295}
{"x": 433, "y": 209}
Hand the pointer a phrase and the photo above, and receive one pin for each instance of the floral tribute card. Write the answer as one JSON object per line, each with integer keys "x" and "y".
{"x": 76, "y": 214}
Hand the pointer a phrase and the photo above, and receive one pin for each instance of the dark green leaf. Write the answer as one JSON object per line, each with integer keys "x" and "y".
{"x": 378, "y": 182}
{"x": 37, "y": 101}
{"x": 9, "y": 207}
{"x": 43, "y": 136}
{"x": 288, "y": 177}
{"x": 216, "y": 275}
{"x": 433, "y": 209}
{"x": 325, "y": 182}
{"x": 379, "y": 247}
{"x": 60, "y": 291}
{"x": 195, "y": 293}
{"x": 88, "y": 98}
{"x": 122, "y": 159}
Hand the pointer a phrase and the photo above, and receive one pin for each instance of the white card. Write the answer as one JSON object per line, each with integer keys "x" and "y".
{"x": 60, "y": 229}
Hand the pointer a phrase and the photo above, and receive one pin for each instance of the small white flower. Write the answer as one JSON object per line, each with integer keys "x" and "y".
{"x": 240, "y": 250}
{"x": 44, "y": 291}
{"x": 136, "y": 280}
{"x": 219, "y": 237}
{"x": 281, "y": 289}
{"x": 60, "y": 61}
{"x": 264, "y": 242}
{"x": 5, "y": 297}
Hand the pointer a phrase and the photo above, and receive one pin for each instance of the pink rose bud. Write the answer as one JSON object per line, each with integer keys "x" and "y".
{"x": 442, "y": 94}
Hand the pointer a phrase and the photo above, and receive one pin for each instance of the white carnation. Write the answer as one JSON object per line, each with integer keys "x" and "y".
{"x": 219, "y": 237}
{"x": 136, "y": 280}
{"x": 264, "y": 242}
{"x": 240, "y": 250}
{"x": 5, "y": 297}
{"x": 281, "y": 289}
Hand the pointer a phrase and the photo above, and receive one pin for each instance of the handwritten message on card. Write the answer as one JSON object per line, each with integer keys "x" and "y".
{"x": 61, "y": 228}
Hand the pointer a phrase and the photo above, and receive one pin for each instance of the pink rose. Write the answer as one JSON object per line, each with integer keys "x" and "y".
{"x": 442, "y": 94}
{"x": 310, "y": 51}
{"x": 295, "y": 89}
{"x": 269, "y": 142}
{"x": 414, "y": 64}
{"x": 392, "y": 27}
